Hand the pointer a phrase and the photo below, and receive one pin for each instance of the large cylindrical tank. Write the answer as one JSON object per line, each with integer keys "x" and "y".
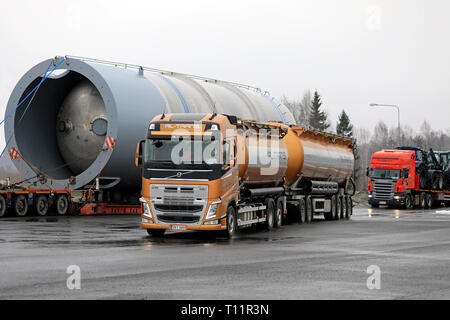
{"x": 295, "y": 153}
{"x": 62, "y": 132}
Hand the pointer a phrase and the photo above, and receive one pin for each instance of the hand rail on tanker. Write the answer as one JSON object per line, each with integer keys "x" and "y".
{"x": 300, "y": 130}
{"x": 138, "y": 67}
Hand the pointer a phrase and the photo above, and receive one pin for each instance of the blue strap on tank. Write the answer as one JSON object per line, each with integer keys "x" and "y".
{"x": 180, "y": 96}
{"x": 277, "y": 108}
{"x": 31, "y": 92}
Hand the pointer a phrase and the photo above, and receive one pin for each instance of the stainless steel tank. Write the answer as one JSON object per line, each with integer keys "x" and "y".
{"x": 85, "y": 101}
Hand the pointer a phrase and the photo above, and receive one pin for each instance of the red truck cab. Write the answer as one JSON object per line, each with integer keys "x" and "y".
{"x": 392, "y": 177}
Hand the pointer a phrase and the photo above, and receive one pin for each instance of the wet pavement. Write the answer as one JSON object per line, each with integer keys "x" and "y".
{"x": 322, "y": 260}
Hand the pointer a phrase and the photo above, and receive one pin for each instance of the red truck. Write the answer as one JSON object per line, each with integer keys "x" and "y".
{"x": 407, "y": 177}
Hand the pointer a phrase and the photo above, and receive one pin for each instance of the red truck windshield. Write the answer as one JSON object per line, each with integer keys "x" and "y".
{"x": 384, "y": 173}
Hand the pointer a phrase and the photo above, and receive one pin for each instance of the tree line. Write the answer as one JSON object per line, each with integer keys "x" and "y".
{"x": 308, "y": 112}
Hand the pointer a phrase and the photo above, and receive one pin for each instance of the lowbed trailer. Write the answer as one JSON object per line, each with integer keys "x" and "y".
{"x": 214, "y": 172}
{"x": 408, "y": 177}
{"x": 23, "y": 201}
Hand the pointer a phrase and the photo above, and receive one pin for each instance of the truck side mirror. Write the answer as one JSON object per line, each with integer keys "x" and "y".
{"x": 367, "y": 171}
{"x": 138, "y": 157}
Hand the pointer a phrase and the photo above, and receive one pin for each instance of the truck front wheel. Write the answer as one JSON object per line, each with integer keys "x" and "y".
{"x": 270, "y": 213}
{"x": 408, "y": 202}
{"x": 231, "y": 222}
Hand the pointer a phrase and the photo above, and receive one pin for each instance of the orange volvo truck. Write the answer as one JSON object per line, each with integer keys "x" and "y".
{"x": 218, "y": 173}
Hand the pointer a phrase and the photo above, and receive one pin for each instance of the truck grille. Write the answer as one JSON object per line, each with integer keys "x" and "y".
{"x": 178, "y": 208}
{"x": 179, "y": 203}
{"x": 185, "y": 219}
{"x": 383, "y": 190}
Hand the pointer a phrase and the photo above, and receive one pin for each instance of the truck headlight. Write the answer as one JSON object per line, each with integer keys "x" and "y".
{"x": 212, "y": 211}
{"x": 145, "y": 208}
{"x": 397, "y": 197}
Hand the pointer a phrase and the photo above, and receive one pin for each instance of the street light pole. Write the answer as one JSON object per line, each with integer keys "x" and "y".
{"x": 398, "y": 116}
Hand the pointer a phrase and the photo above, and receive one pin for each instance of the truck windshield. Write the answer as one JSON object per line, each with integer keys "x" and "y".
{"x": 384, "y": 173}
{"x": 182, "y": 152}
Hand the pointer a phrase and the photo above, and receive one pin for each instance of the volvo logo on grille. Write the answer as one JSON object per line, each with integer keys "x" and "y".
{"x": 179, "y": 174}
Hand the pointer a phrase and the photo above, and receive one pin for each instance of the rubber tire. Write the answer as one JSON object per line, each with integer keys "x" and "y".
{"x": 429, "y": 201}
{"x": 61, "y": 204}
{"x": 41, "y": 200}
{"x": 156, "y": 233}
{"x": 333, "y": 207}
{"x": 2, "y": 206}
{"x": 441, "y": 182}
{"x": 20, "y": 205}
{"x": 338, "y": 208}
{"x": 346, "y": 204}
{"x": 423, "y": 201}
{"x": 231, "y": 220}
{"x": 408, "y": 202}
{"x": 330, "y": 215}
{"x": 301, "y": 211}
{"x": 350, "y": 206}
{"x": 309, "y": 210}
{"x": 373, "y": 205}
{"x": 278, "y": 222}
{"x": 270, "y": 213}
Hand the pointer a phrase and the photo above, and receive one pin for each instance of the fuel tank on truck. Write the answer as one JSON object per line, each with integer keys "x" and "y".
{"x": 296, "y": 154}
{"x": 85, "y": 103}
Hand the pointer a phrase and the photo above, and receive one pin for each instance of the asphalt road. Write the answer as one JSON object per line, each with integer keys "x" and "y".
{"x": 323, "y": 260}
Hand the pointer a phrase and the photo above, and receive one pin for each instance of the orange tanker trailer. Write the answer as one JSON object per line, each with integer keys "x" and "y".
{"x": 217, "y": 172}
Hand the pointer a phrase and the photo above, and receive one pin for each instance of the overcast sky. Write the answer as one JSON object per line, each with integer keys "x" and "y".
{"x": 353, "y": 52}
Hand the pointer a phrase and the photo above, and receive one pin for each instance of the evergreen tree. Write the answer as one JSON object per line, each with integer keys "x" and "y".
{"x": 317, "y": 117}
{"x": 344, "y": 127}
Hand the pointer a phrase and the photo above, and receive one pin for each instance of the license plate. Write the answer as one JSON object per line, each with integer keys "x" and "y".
{"x": 177, "y": 227}
{"x": 383, "y": 202}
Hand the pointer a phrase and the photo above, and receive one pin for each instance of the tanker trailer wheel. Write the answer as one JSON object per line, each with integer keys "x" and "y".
{"x": 157, "y": 233}
{"x": 343, "y": 207}
{"x": 301, "y": 211}
{"x": 270, "y": 213}
{"x": 338, "y": 208}
{"x": 309, "y": 210}
{"x": 278, "y": 214}
{"x": 62, "y": 204}
{"x": 423, "y": 200}
{"x": 231, "y": 223}
{"x": 41, "y": 205}
{"x": 20, "y": 205}
{"x": 330, "y": 215}
{"x": 346, "y": 203}
{"x": 429, "y": 201}
{"x": 2, "y": 206}
{"x": 350, "y": 206}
